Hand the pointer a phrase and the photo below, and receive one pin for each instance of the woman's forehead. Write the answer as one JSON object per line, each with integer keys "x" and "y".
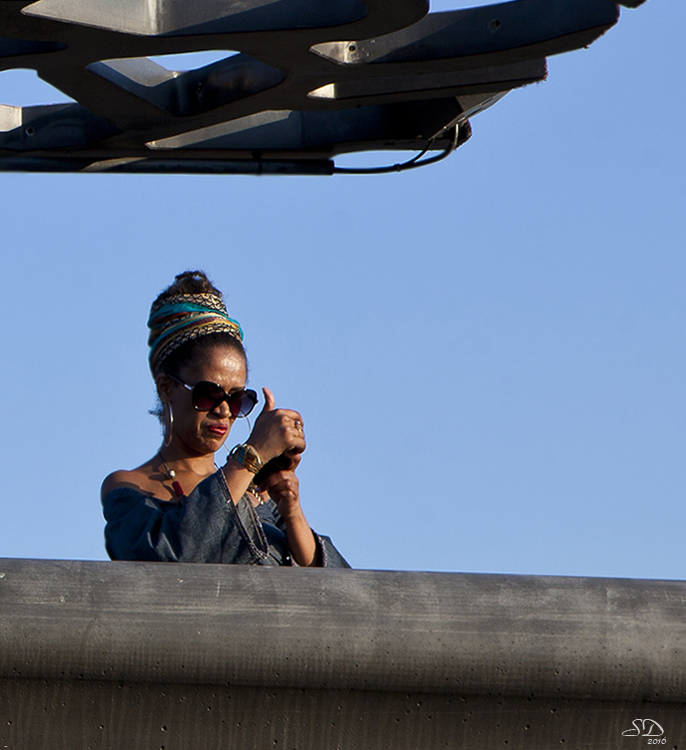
{"x": 218, "y": 363}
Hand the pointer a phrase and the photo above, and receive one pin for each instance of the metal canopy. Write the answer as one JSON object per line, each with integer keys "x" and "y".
{"x": 309, "y": 80}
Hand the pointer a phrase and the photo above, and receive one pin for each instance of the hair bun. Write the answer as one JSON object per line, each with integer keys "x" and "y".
{"x": 190, "y": 282}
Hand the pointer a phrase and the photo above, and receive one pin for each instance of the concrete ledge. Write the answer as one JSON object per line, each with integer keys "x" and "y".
{"x": 137, "y": 638}
{"x": 433, "y": 632}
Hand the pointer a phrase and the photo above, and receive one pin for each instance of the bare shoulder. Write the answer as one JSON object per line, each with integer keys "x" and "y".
{"x": 135, "y": 479}
{"x": 141, "y": 479}
{"x": 121, "y": 478}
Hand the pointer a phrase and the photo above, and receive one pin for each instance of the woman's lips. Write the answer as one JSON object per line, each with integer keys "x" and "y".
{"x": 218, "y": 429}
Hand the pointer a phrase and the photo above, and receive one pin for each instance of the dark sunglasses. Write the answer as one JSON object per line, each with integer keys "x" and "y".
{"x": 206, "y": 396}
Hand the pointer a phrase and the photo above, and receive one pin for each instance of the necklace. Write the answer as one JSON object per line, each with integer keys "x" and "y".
{"x": 171, "y": 475}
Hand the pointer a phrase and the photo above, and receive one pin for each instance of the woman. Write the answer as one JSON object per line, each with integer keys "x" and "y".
{"x": 178, "y": 506}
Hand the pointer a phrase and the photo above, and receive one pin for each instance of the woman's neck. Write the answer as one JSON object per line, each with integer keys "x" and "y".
{"x": 182, "y": 460}
{"x": 183, "y": 472}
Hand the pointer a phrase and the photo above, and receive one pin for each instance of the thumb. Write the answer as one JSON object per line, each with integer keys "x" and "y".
{"x": 269, "y": 401}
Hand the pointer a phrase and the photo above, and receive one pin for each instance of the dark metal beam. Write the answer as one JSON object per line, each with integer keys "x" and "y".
{"x": 300, "y": 61}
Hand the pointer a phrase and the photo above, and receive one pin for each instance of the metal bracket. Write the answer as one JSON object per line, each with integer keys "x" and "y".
{"x": 309, "y": 80}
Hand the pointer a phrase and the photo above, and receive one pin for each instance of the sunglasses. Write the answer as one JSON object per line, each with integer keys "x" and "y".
{"x": 206, "y": 396}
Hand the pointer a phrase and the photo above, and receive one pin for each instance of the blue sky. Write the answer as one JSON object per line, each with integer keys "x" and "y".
{"x": 488, "y": 353}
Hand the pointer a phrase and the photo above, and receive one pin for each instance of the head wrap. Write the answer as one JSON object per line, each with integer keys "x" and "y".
{"x": 183, "y": 317}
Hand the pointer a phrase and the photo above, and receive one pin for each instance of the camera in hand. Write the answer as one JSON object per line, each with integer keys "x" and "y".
{"x": 279, "y": 463}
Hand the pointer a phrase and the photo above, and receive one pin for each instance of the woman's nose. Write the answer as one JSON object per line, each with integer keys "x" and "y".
{"x": 222, "y": 409}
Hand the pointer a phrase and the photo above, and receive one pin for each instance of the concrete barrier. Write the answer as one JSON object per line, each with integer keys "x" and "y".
{"x": 147, "y": 655}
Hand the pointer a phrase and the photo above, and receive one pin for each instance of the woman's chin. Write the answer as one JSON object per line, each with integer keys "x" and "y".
{"x": 215, "y": 442}
{"x": 204, "y": 444}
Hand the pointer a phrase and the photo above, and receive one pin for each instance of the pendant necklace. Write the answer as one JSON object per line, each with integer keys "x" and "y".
{"x": 171, "y": 475}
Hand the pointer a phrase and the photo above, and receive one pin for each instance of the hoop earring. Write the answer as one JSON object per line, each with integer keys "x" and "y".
{"x": 168, "y": 424}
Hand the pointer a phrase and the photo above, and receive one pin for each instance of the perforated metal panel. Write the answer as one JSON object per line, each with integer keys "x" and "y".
{"x": 310, "y": 79}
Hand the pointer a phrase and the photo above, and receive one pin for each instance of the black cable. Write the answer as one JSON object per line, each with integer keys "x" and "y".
{"x": 404, "y": 166}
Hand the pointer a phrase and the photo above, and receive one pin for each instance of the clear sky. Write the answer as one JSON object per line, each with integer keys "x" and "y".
{"x": 488, "y": 353}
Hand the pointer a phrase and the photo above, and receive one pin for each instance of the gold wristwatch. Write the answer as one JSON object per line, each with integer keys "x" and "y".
{"x": 247, "y": 457}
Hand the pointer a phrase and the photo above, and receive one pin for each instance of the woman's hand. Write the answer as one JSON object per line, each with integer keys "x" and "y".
{"x": 284, "y": 490}
{"x": 277, "y": 431}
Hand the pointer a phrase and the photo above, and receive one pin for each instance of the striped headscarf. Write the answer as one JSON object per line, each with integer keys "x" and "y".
{"x": 183, "y": 317}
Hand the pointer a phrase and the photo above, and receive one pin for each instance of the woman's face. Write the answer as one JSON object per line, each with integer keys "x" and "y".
{"x": 204, "y": 432}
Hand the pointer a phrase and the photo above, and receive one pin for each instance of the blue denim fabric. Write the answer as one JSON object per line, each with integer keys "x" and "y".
{"x": 205, "y": 527}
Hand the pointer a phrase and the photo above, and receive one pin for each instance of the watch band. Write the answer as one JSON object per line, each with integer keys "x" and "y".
{"x": 247, "y": 457}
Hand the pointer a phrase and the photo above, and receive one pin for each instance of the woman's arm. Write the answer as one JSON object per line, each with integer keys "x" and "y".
{"x": 276, "y": 432}
{"x": 279, "y": 432}
{"x": 283, "y": 488}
